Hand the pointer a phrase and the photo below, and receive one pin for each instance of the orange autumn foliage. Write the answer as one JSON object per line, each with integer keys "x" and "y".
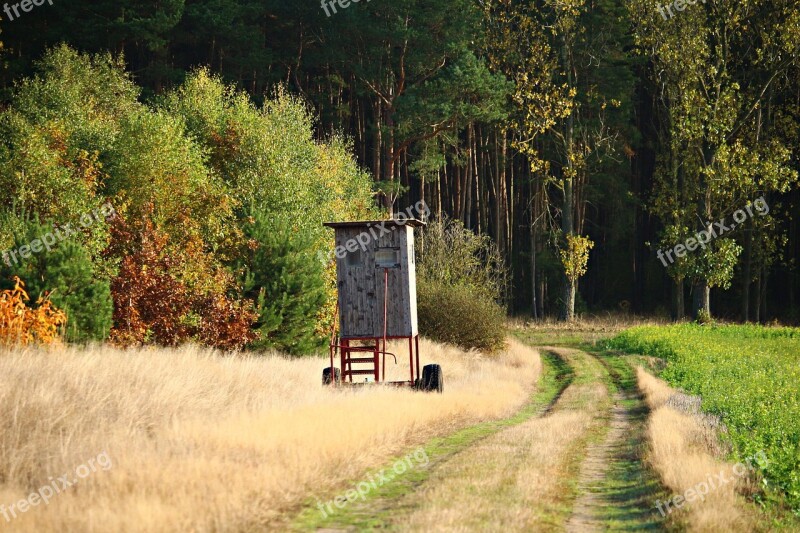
{"x": 23, "y": 325}
{"x": 154, "y": 304}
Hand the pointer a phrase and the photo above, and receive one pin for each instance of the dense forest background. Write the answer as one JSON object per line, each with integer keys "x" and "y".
{"x": 530, "y": 122}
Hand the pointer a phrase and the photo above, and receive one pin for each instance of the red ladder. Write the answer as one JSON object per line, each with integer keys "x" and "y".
{"x": 348, "y": 359}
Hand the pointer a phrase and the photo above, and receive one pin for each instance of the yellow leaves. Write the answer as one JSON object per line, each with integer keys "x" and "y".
{"x": 20, "y": 324}
{"x": 575, "y": 257}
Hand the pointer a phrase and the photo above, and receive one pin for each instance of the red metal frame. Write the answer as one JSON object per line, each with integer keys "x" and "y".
{"x": 349, "y": 355}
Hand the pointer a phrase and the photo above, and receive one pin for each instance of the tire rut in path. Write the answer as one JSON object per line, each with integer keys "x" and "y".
{"x": 586, "y": 511}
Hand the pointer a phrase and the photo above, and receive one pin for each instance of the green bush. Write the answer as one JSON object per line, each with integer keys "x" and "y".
{"x": 268, "y": 155}
{"x": 191, "y": 167}
{"x": 66, "y": 271}
{"x": 461, "y": 286}
{"x": 272, "y": 163}
{"x": 55, "y": 135}
{"x": 457, "y": 315}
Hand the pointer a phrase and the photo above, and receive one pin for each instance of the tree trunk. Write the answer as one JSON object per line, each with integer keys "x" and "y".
{"x": 534, "y": 311}
{"x": 390, "y": 162}
{"x": 568, "y": 305}
{"x": 439, "y": 193}
{"x": 758, "y": 296}
{"x": 501, "y": 199}
{"x": 378, "y": 148}
{"x": 469, "y": 178}
{"x": 701, "y": 300}
{"x": 567, "y": 211}
{"x": 746, "y": 275}
{"x": 702, "y": 293}
{"x": 448, "y": 192}
{"x": 542, "y": 296}
{"x": 678, "y": 305}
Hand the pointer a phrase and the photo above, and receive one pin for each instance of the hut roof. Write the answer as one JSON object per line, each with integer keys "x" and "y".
{"x": 413, "y": 222}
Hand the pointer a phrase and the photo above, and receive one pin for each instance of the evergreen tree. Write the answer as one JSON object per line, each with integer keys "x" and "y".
{"x": 65, "y": 271}
{"x": 286, "y": 280}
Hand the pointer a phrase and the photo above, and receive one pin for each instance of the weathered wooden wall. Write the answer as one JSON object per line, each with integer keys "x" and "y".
{"x": 361, "y": 284}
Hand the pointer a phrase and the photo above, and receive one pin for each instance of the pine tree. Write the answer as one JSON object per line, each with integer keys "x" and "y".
{"x": 285, "y": 279}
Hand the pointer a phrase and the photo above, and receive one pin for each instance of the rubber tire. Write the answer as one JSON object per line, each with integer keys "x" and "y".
{"x": 432, "y": 379}
{"x": 326, "y": 376}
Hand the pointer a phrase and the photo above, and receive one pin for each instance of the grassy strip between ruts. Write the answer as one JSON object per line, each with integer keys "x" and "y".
{"x": 524, "y": 478}
{"x": 376, "y": 511}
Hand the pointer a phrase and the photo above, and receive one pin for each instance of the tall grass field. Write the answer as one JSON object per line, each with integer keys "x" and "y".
{"x": 747, "y": 375}
{"x": 191, "y": 440}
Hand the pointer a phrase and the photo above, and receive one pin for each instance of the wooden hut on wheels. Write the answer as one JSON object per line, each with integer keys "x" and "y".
{"x": 377, "y": 302}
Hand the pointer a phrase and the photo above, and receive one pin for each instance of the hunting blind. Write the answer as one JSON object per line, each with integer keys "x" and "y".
{"x": 377, "y": 287}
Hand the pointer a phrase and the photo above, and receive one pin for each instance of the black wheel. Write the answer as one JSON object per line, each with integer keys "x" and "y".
{"x": 432, "y": 379}
{"x": 326, "y": 376}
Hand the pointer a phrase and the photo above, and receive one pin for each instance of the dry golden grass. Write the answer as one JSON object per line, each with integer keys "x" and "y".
{"x": 608, "y": 322}
{"x": 683, "y": 452}
{"x": 201, "y": 442}
{"x": 509, "y": 482}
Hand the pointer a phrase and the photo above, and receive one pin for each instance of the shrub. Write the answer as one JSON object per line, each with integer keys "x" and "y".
{"x": 457, "y": 315}
{"x": 268, "y": 155}
{"x": 55, "y": 134}
{"x": 21, "y": 324}
{"x": 451, "y": 254}
{"x": 461, "y": 286}
{"x": 575, "y": 257}
{"x": 193, "y": 165}
{"x": 157, "y": 170}
{"x": 271, "y": 163}
{"x": 152, "y": 304}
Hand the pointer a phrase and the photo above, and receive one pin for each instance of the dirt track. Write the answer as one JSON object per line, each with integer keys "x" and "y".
{"x": 549, "y": 472}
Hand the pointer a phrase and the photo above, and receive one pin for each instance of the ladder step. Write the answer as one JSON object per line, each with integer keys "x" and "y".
{"x": 359, "y": 360}
{"x": 359, "y": 373}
